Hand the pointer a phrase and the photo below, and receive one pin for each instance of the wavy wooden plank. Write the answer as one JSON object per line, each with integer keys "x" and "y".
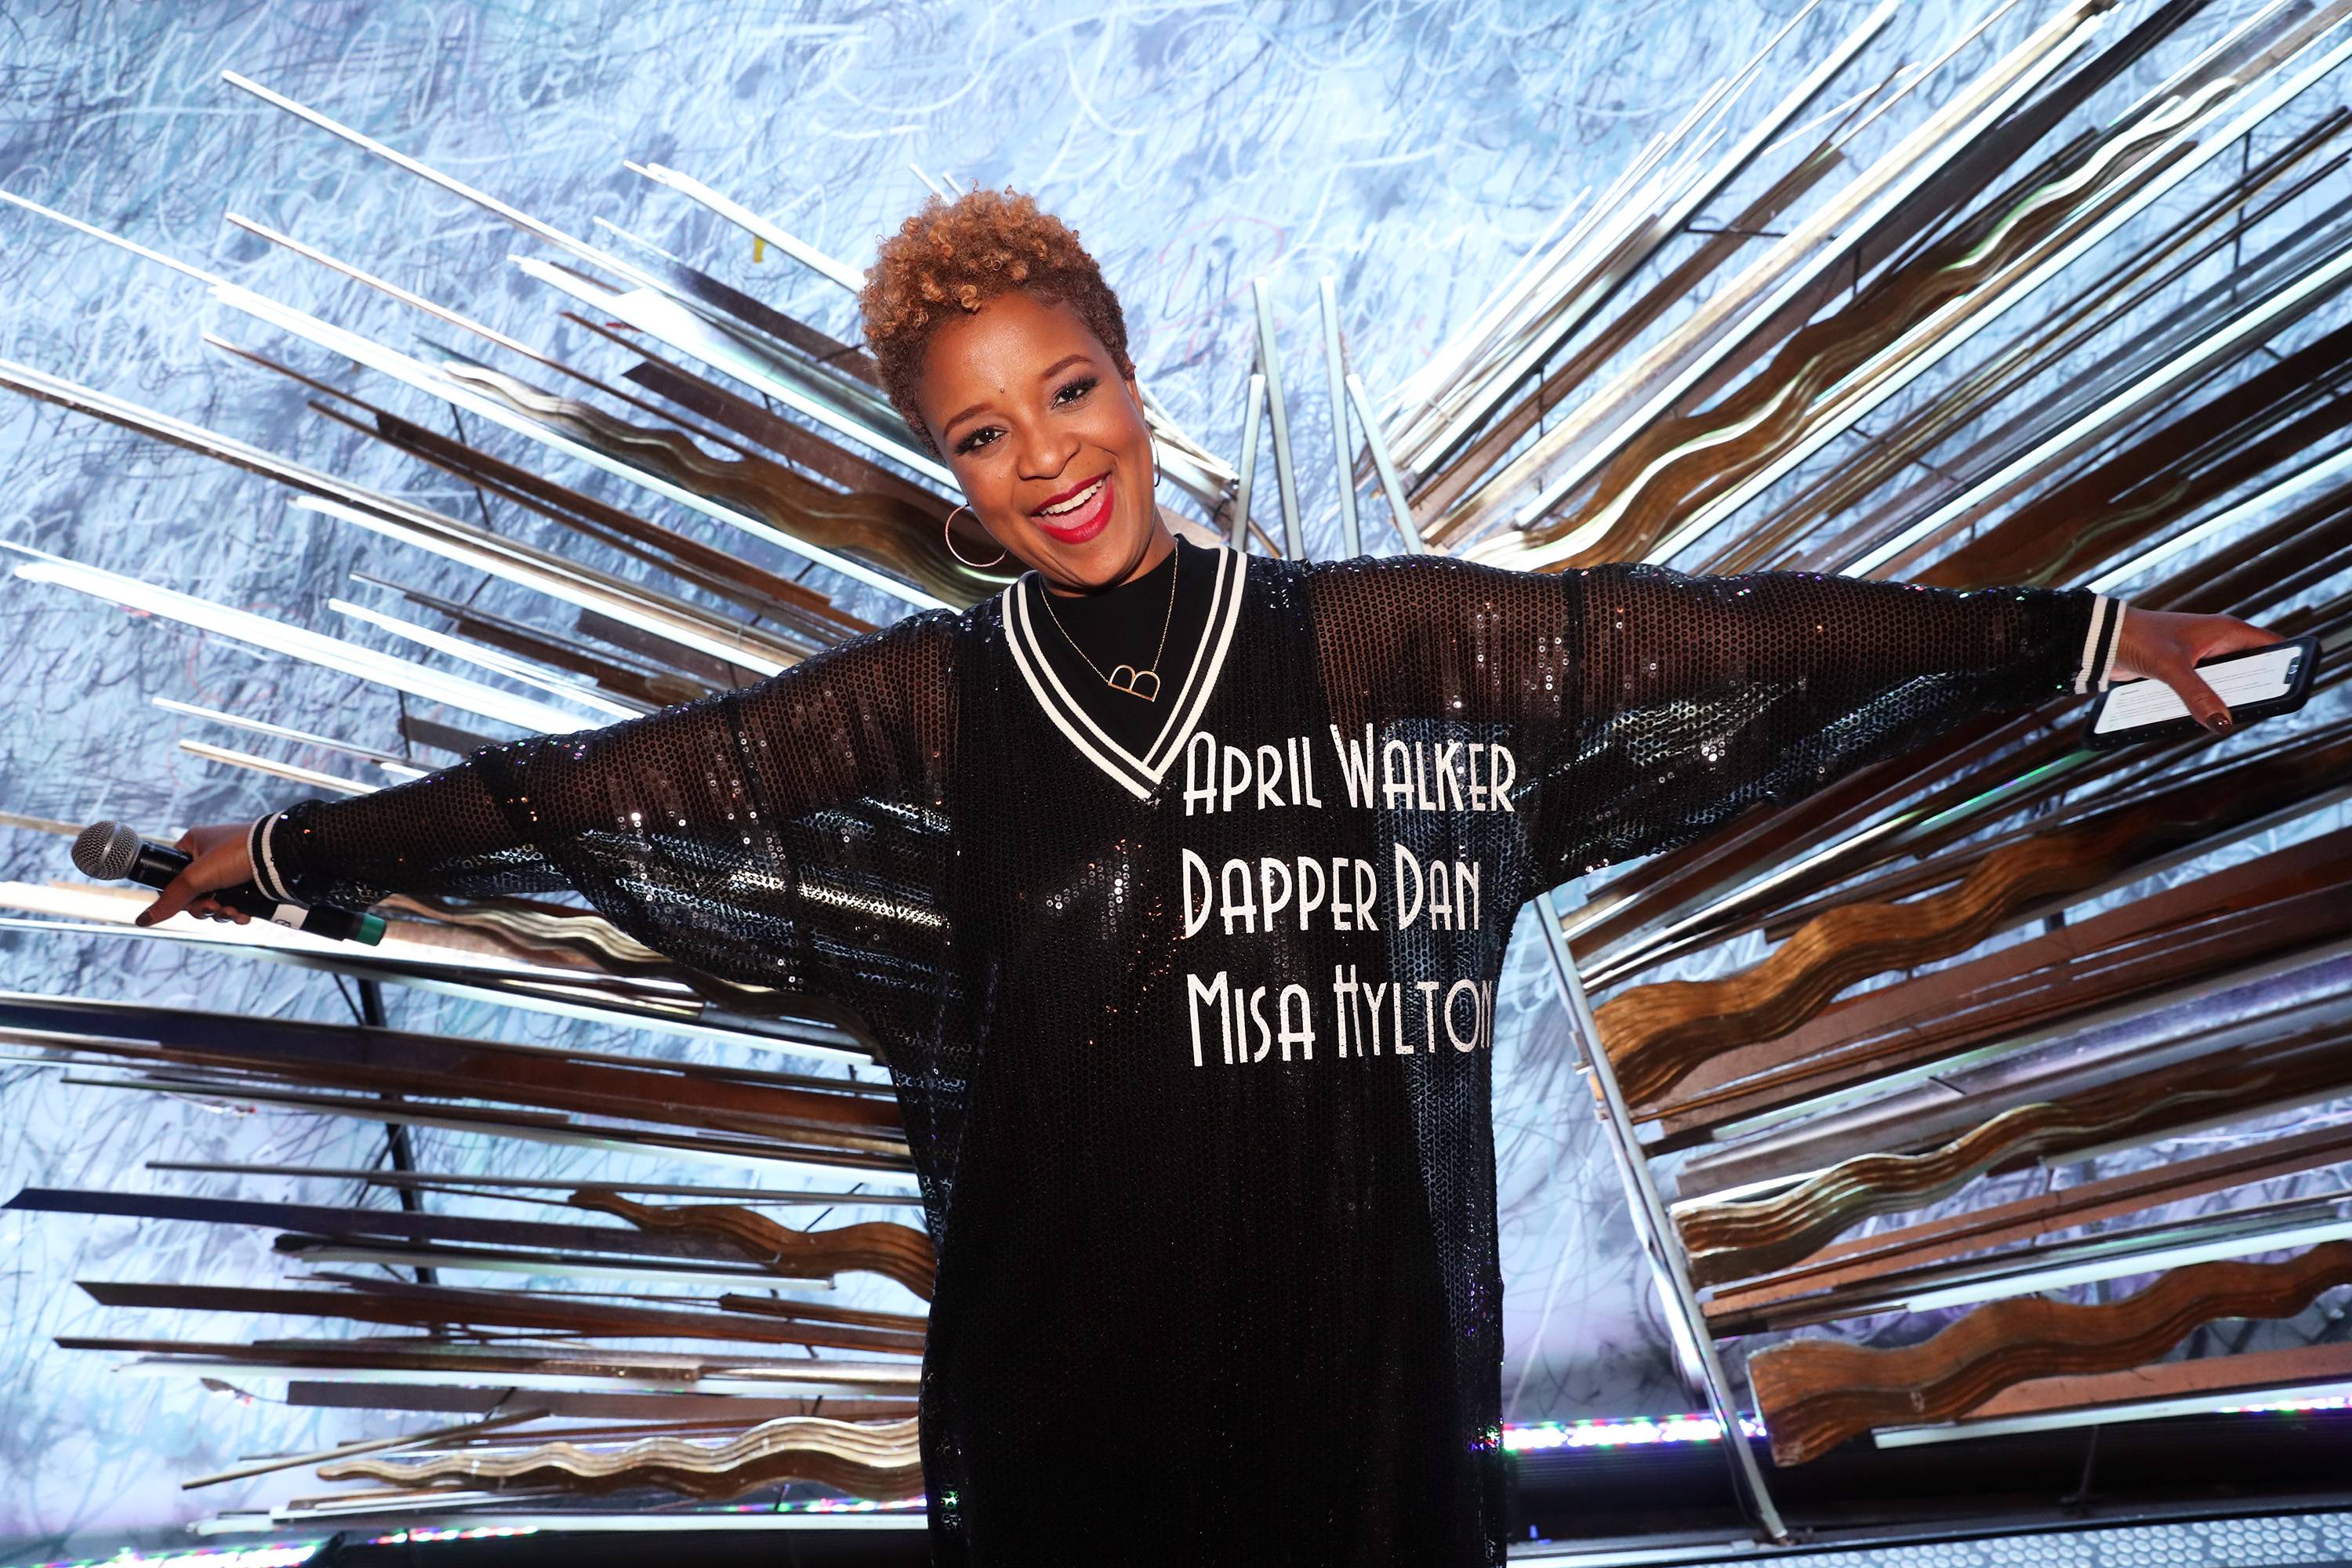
{"x": 1678, "y": 465}
{"x": 2008, "y": 408}
{"x": 808, "y": 449}
{"x": 1856, "y": 1276}
{"x": 872, "y": 1246}
{"x": 878, "y": 1462}
{"x": 2139, "y": 955}
{"x": 1728, "y": 317}
{"x": 1815, "y": 1292}
{"x": 1814, "y": 1395}
{"x": 753, "y": 590}
{"x": 2005, "y": 398}
{"x": 1658, "y": 1034}
{"x": 1731, "y": 1240}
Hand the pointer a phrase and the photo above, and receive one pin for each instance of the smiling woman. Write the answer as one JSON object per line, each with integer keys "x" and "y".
{"x": 1173, "y": 884}
{"x": 1032, "y": 399}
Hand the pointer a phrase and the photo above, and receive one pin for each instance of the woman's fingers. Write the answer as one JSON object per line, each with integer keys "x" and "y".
{"x": 2160, "y": 645}
{"x": 221, "y": 861}
{"x": 177, "y": 896}
{"x": 2200, "y": 699}
{"x": 2209, "y": 636}
{"x": 172, "y": 901}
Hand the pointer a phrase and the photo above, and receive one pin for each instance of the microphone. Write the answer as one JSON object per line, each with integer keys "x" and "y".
{"x": 112, "y": 852}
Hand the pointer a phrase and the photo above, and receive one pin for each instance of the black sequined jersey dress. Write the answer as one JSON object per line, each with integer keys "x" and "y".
{"x": 1193, "y": 1037}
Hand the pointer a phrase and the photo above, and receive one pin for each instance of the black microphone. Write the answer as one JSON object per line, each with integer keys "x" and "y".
{"x": 111, "y": 852}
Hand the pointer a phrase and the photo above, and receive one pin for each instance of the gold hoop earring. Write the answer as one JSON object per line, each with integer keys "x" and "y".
{"x": 947, "y": 532}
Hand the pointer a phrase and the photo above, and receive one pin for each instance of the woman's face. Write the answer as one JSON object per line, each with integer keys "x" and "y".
{"x": 1047, "y": 440}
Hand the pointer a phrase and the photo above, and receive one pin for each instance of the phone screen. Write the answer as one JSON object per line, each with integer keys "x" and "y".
{"x": 2259, "y": 677}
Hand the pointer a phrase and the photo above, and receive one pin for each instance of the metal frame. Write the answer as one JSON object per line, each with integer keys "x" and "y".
{"x": 1655, "y": 1228}
{"x": 1269, "y": 365}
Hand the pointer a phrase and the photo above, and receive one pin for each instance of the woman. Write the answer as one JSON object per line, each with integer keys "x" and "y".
{"x": 1174, "y": 884}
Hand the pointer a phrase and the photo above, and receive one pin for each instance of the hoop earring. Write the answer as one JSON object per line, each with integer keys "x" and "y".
{"x": 947, "y": 533}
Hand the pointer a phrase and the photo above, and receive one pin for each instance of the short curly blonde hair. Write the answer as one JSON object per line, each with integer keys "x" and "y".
{"x": 950, "y": 256}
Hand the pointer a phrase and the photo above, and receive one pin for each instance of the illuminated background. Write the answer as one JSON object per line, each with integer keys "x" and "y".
{"x": 1410, "y": 150}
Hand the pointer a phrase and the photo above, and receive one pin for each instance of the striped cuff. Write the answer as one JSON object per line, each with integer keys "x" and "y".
{"x": 2096, "y": 670}
{"x": 261, "y": 851}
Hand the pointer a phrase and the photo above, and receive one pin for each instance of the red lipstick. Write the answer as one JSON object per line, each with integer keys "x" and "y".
{"x": 1076, "y": 526}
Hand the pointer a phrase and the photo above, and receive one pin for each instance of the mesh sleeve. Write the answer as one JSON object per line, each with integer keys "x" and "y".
{"x": 1697, "y": 698}
{"x": 787, "y": 835}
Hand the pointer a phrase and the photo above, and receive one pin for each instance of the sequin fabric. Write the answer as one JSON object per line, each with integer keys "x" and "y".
{"x": 1195, "y": 1065}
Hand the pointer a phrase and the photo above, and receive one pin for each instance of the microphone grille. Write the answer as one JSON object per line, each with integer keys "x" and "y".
{"x": 105, "y": 851}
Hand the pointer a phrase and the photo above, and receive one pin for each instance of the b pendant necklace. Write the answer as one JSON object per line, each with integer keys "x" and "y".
{"x": 1133, "y": 685}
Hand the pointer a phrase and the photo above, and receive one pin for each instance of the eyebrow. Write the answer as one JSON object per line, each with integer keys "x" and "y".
{"x": 1048, "y": 374}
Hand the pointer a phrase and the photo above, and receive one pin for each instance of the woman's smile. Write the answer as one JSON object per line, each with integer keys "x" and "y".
{"x": 1077, "y": 515}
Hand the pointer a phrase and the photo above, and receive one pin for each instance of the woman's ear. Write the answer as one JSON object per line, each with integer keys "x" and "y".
{"x": 1134, "y": 396}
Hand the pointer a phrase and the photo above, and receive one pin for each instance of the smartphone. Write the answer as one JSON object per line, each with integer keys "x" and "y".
{"x": 2255, "y": 683}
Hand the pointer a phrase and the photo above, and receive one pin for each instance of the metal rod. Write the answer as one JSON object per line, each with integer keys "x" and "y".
{"x": 525, "y": 713}
{"x": 437, "y": 384}
{"x": 1285, "y": 477}
{"x": 173, "y": 262}
{"x": 744, "y": 219}
{"x": 2270, "y": 1396}
{"x": 1254, "y": 413}
{"x": 522, "y": 671}
{"x": 1665, "y": 1253}
{"x": 1390, "y": 485}
{"x": 585, "y": 587}
{"x": 280, "y": 731}
{"x": 756, "y": 1195}
{"x": 1335, "y": 371}
{"x": 312, "y": 778}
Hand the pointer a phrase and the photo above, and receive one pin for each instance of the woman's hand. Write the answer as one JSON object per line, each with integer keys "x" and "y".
{"x": 222, "y": 860}
{"x": 2160, "y": 645}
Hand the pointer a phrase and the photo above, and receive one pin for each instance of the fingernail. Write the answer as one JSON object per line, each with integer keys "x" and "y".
{"x": 2221, "y": 724}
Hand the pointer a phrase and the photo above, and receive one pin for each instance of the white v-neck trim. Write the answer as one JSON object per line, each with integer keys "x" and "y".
{"x": 1139, "y": 775}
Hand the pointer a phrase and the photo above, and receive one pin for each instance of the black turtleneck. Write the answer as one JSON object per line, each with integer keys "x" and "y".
{"x": 1122, "y": 626}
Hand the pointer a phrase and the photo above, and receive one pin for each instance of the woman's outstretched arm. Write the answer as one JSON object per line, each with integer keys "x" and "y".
{"x": 718, "y": 831}
{"x": 1698, "y": 697}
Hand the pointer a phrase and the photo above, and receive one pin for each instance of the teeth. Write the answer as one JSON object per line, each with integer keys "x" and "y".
{"x": 1075, "y": 501}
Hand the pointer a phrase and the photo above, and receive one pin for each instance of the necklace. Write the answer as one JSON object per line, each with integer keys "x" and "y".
{"x": 1133, "y": 684}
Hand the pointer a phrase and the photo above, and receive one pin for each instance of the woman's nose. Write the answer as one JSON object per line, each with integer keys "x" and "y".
{"x": 1044, "y": 453}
